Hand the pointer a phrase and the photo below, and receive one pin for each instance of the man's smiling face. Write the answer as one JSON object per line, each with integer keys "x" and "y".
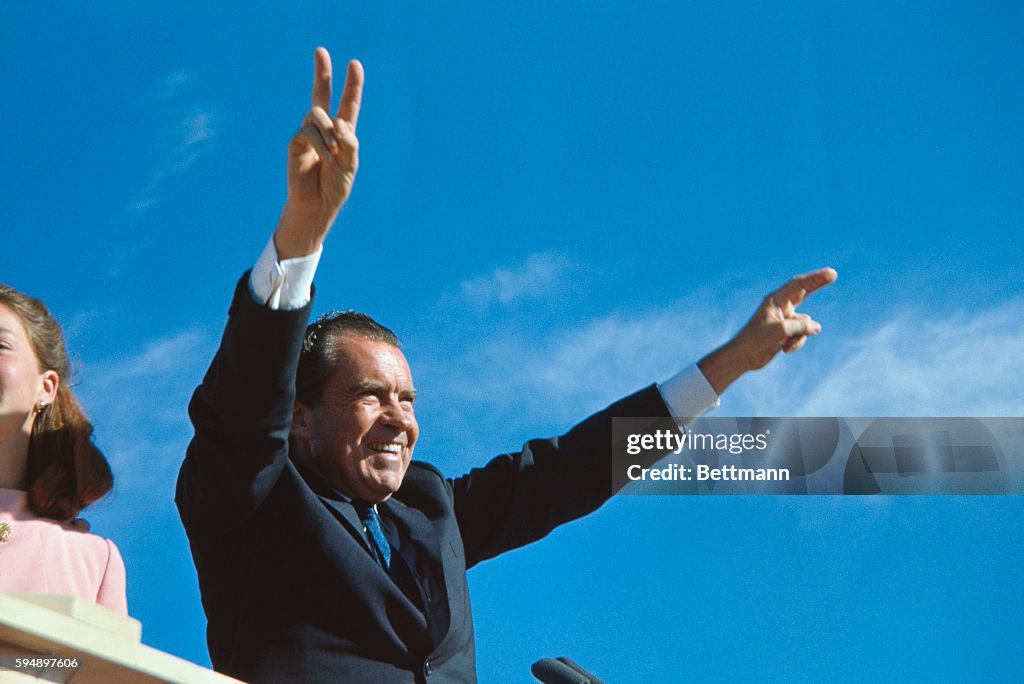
{"x": 362, "y": 432}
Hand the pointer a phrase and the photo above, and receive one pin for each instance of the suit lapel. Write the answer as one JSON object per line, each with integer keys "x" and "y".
{"x": 334, "y": 502}
{"x": 347, "y": 515}
{"x": 415, "y": 527}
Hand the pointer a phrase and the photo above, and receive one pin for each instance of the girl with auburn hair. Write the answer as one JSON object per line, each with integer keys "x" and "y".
{"x": 49, "y": 467}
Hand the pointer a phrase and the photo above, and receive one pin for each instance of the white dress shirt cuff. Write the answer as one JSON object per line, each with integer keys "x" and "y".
{"x": 688, "y": 394}
{"x": 283, "y": 284}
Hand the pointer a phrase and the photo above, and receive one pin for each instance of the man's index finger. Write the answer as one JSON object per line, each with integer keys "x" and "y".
{"x": 802, "y": 285}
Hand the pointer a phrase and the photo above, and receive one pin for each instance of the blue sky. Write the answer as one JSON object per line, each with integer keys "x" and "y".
{"x": 558, "y": 203}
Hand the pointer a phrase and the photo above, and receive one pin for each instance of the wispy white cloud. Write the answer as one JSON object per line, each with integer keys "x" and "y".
{"x": 531, "y": 279}
{"x": 197, "y": 128}
{"x": 186, "y": 128}
{"x": 561, "y": 375}
{"x": 159, "y": 358}
{"x": 963, "y": 363}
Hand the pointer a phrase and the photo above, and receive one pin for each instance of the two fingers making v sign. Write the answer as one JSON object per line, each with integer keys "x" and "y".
{"x": 324, "y": 155}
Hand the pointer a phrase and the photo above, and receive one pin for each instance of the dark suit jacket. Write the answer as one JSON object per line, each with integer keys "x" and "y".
{"x": 290, "y": 591}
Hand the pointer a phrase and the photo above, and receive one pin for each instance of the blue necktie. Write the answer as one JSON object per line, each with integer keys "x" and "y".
{"x": 378, "y": 542}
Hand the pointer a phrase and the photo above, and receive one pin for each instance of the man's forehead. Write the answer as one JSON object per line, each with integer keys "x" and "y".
{"x": 360, "y": 358}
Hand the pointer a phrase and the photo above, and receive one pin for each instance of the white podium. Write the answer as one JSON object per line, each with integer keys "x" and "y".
{"x": 65, "y": 639}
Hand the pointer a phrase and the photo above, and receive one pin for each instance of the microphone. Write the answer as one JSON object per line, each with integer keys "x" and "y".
{"x": 561, "y": 671}
{"x": 591, "y": 679}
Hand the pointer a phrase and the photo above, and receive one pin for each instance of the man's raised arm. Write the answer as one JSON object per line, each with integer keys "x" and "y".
{"x": 242, "y": 410}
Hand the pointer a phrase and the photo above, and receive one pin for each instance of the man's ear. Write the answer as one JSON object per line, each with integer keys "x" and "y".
{"x": 302, "y": 421}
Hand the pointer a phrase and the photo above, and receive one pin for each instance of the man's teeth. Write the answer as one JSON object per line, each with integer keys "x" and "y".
{"x": 389, "y": 447}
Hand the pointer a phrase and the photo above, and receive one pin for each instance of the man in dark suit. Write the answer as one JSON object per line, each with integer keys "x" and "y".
{"x": 324, "y": 552}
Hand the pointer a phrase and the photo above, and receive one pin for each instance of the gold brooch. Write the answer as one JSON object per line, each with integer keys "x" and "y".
{"x": 6, "y": 531}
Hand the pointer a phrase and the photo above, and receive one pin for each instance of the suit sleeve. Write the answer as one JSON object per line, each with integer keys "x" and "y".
{"x": 519, "y": 498}
{"x": 242, "y": 417}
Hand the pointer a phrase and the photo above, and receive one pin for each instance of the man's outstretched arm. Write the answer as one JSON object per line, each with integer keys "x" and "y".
{"x": 518, "y": 498}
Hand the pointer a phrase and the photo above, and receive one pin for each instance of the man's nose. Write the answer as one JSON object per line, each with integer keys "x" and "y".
{"x": 395, "y": 416}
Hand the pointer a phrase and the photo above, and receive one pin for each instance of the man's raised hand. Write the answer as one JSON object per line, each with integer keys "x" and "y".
{"x": 775, "y": 326}
{"x": 322, "y": 161}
